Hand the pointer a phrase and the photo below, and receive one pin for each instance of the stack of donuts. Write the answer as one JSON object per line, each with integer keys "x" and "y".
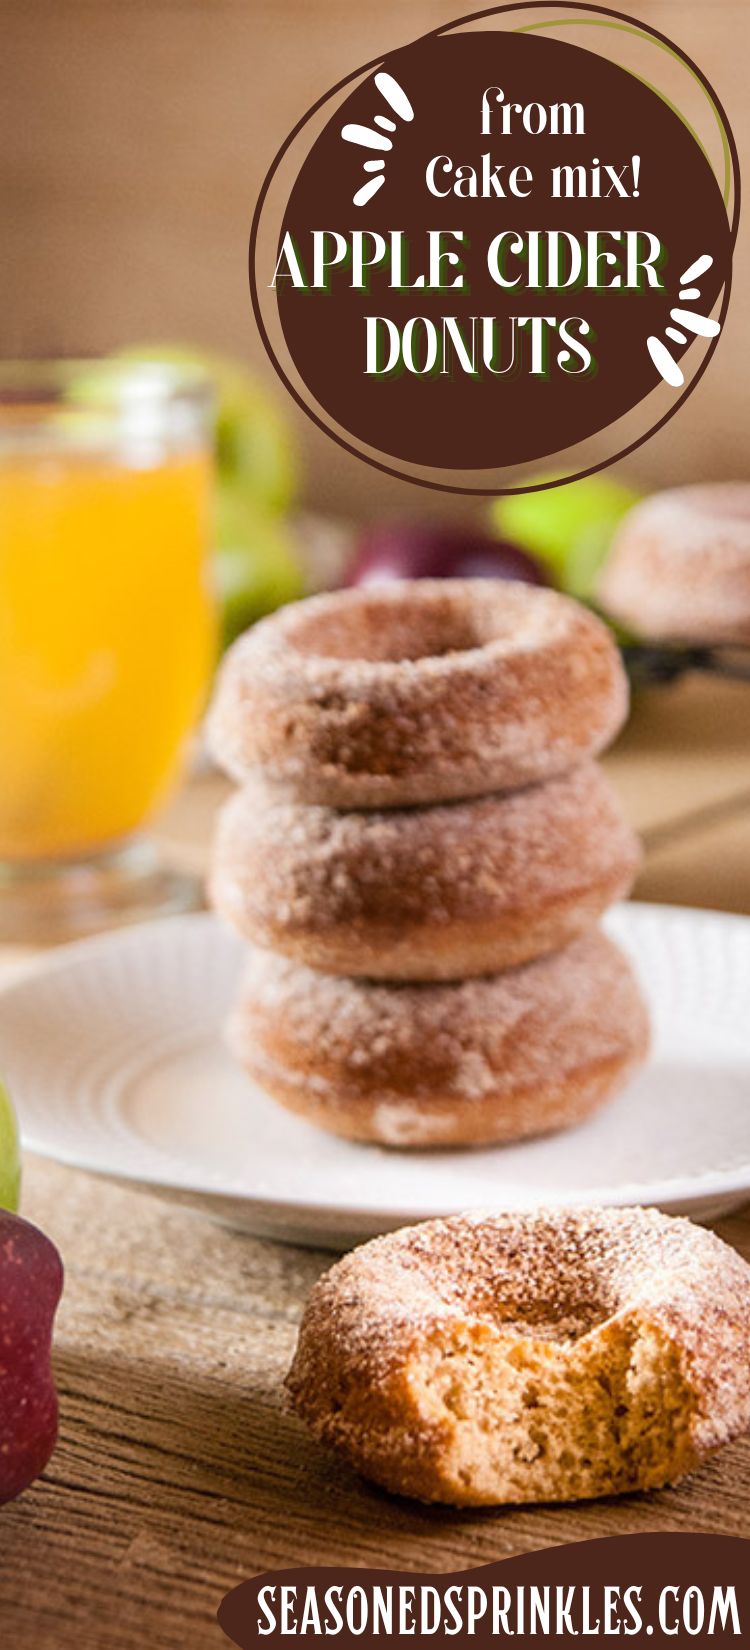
{"x": 419, "y": 852}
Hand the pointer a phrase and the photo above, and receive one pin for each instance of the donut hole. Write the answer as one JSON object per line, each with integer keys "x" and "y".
{"x": 550, "y": 1318}
{"x": 554, "y": 1412}
{"x": 430, "y": 625}
{"x": 519, "y": 1293}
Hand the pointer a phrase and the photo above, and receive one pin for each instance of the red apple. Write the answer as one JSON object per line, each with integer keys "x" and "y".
{"x": 409, "y": 550}
{"x": 31, "y": 1278}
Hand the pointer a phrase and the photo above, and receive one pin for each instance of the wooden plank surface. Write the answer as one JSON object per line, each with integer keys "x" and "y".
{"x": 708, "y": 866}
{"x": 684, "y": 757}
{"x": 179, "y": 1469}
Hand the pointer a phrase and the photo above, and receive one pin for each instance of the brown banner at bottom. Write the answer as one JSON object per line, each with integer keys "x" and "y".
{"x": 672, "y": 1590}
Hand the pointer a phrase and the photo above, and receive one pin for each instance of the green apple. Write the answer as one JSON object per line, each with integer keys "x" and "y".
{"x": 252, "y": 440}
{"x": 257, "y": 566}
{"x": 253, "y": 445}
{"x": 10, "y": 1154}
{"x": 569, "y": 528}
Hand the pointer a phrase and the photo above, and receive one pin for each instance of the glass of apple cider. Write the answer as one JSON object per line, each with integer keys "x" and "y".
{"x": 107, "y": 633}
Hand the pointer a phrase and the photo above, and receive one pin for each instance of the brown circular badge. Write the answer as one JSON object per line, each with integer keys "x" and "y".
{"x": 503, "y": 246}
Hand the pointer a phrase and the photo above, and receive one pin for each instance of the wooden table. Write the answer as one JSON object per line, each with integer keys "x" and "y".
{"x": 178, "y": 1470}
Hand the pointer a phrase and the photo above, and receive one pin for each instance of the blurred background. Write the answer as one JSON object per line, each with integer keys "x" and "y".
{"x": 133, "y": 141}
{"x": 134, "y": 138}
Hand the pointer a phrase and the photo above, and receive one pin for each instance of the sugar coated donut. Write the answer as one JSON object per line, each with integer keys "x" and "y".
{"x": 421, "y": 691}
{"x": 486, "y": 1060}
{"x": 679, "y": 569}
{"x": 528, "y": 1357}
{"x": 433, "y": 893}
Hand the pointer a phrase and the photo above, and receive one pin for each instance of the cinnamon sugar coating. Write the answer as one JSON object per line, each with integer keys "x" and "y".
{"x": 679, "y": 568}
{"x": 441, "y": 892}
{"x": 524, "y": 1357}
{"x": 481, "y": 1061}
{"x": 415, "y": 692}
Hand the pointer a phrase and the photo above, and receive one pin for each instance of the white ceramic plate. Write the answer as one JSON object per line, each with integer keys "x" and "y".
{"x": 112, "y": 1050}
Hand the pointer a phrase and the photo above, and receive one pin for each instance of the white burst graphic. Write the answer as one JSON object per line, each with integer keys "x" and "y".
{"x": 685, "y": 321}
{"x": 376, "y": 136}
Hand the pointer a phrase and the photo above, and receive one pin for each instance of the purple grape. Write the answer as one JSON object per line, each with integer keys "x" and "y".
{"x": 31, "y": 1277}
{"x": 402, "y": 550}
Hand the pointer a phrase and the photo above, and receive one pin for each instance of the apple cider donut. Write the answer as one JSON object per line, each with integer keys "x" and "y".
{"x": 435, "y": 893}
{"x": 549, "y": 1356}
{"x": 421, "y": 691}
{"x": 486, "y": 1060}
{"x": 679, "y": 568}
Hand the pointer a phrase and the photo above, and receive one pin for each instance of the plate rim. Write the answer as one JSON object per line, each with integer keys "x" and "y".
{"x": 673, "y": 1190}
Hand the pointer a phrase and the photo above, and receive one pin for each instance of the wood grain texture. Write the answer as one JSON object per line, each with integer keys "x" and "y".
{"x": 179, "y": 1470}
{"x": 708, "y": 866}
